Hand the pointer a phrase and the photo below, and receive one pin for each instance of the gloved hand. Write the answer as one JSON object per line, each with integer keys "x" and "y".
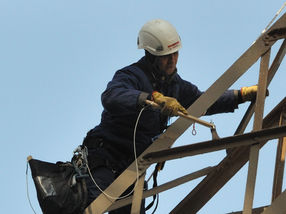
{"x": 249, "y": 93}
{"x": 169, "y": 105}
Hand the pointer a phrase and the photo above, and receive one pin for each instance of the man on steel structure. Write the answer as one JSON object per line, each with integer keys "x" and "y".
{"x": 155, "y": 77}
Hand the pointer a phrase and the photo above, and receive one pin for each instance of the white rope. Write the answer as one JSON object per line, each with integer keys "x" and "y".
{"x": 136, "y": 163}
{"x": 27, "y": 189}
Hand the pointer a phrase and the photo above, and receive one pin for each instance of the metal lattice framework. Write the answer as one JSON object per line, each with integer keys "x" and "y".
{"x": 241, "y": 147}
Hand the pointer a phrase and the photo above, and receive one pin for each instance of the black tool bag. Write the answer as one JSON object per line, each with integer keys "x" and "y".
{"x": 58, "y": 190}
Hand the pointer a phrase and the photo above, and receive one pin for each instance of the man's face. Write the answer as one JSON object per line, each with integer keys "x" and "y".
{"x": 167, "y": 63}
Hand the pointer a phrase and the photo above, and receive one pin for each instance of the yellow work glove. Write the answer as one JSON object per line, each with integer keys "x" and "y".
{"x": 249, "y": 93}
{"x": 169, "y": 105}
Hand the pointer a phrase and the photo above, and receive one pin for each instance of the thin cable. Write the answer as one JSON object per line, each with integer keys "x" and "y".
{"x": 136, "y": 163}
{"x": 27, "y": 188}
{"x": 277, "y": 14}
{"x": 271, "y": 22}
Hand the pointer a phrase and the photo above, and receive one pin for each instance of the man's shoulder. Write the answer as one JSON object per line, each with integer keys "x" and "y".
{"x": 136, "y": 68}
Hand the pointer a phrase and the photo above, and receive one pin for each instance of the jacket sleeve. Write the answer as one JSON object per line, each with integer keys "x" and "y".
{"x": 227, "y": 102}
{"x": 123, "y": 92}
{"x": 189, "y": 93}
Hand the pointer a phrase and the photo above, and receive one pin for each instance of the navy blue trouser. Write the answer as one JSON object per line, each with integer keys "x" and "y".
{"x": 104, "y": 177}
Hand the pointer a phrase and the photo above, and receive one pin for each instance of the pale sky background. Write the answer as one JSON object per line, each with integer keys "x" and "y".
{"x": 56, "y": 58}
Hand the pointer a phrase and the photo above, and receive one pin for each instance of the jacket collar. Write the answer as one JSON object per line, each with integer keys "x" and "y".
{"x": 157, "y": 75}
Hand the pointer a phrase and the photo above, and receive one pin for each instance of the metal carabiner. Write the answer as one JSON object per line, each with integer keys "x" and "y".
{"x": 194, "y": 132}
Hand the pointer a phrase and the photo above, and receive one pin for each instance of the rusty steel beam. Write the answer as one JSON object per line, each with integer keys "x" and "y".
{"x": 257, "y": 125}
{"x": 257, "y": 210}
{"x": 272, "y": 71}
{"x": 251, "y": 138}
{"x": 280, "y": 161}
{"x": 225, "y": 170}
{"x": 137, "y": 196}
{"x": 163, "y": 187}
{"x": 206, "y": 189}
{"x": 278, "y": 206}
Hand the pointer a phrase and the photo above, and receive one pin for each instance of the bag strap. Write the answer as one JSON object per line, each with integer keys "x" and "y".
{"x": 158, "y": 167}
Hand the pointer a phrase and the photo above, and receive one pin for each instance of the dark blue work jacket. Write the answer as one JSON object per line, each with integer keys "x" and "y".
{"x": 124, "y": 97}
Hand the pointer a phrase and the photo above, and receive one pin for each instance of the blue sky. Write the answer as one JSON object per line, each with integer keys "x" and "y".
{"x": 56, "y": 58}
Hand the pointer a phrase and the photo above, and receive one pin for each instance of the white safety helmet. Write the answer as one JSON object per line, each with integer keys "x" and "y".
{"x": 159, "y": 38}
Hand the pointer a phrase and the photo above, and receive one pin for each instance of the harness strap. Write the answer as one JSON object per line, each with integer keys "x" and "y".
{"x": 158, "y": 167}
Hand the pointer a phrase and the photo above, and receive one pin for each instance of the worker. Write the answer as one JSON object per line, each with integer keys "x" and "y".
{"x": 154, "y": 77}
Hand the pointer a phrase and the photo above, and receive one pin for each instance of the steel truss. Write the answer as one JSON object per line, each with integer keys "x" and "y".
{"x": 241, "y": 147}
